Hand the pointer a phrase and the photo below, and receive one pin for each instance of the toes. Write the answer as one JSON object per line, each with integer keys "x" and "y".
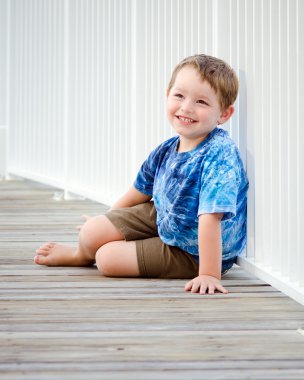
{"x": 45, "y": 247}
{"x": 41, "y": 260}
{"x": 43, "y": 252}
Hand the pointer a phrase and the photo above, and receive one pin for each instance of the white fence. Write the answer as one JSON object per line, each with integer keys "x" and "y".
{"x": 86, "y": 82}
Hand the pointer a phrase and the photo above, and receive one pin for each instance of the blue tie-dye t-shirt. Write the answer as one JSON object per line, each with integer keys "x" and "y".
{"x": 208, "y": 179}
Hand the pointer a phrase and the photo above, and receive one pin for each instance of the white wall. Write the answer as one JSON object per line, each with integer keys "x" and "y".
{"x": 87, "y": 83}
{"x": 3, "y": 78}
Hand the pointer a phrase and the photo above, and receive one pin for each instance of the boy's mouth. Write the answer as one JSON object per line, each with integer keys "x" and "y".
{"x": 185, "y": 120}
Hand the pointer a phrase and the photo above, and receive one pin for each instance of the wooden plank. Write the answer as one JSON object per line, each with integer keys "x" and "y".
{"x": 236, "y": 323}
{"x": 126, "y": 345}
{"x": 101, "y": 283}
{"x": 154, "y": 374}
{"x": 165, "y": 365}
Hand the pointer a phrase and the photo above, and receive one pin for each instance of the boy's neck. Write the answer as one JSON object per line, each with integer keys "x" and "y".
{"x": 186, "y": 145}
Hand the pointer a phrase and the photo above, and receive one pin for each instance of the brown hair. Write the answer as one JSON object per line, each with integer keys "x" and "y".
{"x": 216, "y": 72}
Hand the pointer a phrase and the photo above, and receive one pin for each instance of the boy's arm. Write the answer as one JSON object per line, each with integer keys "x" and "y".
{"x": 131, "y": 198}
{"x": 210, "y": 256}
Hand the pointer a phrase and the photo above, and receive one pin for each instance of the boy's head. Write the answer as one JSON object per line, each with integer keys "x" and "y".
{"x": 220, "y": 76}
{"x": 200, "y": 96}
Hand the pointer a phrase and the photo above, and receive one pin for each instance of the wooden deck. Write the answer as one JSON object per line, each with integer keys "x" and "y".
{"x": 72, "y": 323}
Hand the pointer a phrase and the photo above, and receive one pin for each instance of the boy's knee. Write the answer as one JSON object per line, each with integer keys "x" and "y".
{"x": 105, "y": 260}
{"x": 90, "y": 234}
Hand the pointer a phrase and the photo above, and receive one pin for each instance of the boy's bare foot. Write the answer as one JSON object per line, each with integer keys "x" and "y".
{"x": 53, "y": 254}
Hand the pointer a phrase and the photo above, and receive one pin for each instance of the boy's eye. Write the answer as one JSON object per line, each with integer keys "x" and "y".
{"x": 203, "y": 102}
{"x": 179, "y": 95}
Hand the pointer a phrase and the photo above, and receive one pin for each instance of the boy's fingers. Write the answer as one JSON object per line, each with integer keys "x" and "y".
{"x": 195, "y": 287}
{"x": 203, "y": 288}
{"x": 211, "y": 289}
{"x": 222, "y": 289}
{"x": 188, "y": 286}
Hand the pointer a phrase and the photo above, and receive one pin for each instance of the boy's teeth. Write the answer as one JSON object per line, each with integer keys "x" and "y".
{"x": 185, "y": 120}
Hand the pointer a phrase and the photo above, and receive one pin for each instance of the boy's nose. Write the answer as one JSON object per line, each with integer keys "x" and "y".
{"x": 187, "y": 106}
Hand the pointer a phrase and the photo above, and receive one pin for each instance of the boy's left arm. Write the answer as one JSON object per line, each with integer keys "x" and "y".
{"x": 210, "y": 256}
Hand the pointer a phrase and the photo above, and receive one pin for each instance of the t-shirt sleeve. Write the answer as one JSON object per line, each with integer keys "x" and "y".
{"x": 219, "y": 184}
{"x": 145, "y": 178}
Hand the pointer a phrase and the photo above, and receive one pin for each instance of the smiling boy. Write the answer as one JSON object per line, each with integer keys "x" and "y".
{"x": 195, "y": 227}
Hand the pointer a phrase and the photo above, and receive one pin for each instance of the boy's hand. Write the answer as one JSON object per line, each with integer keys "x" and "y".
{"x": 201, "y": 283}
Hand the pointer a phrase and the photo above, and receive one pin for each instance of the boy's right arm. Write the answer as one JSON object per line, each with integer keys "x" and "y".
{"x": 131, "y": 198}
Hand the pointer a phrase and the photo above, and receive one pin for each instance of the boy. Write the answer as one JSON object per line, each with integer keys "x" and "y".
{"x": 195, "y": 227}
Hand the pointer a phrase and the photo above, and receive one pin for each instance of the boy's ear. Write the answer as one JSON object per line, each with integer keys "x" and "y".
{"x": 226, "y": 115}
{"x": 167, "y": 92}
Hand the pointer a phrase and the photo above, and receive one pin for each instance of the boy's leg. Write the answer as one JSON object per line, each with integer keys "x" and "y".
{"x": 95, "y": 232}
{"x": 118, "y": 259}
{"x": 145, "y": 258}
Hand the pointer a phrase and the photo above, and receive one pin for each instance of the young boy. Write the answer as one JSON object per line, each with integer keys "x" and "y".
{"x": 195, "y": 227}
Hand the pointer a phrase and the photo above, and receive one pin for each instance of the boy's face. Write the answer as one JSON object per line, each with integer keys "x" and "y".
{"x": 193, "y": 108}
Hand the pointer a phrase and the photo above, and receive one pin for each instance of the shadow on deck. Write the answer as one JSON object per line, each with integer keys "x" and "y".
{"x": 73, "y": 323}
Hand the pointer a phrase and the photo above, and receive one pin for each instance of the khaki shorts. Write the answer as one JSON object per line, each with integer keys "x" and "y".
{"x": 155, "y": 258}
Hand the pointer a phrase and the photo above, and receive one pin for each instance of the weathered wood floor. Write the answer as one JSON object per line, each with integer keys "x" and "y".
{"x": 72, "y": 323}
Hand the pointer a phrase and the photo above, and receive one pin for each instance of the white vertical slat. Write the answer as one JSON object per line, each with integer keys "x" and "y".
{"x": 292, "y": 139}
{"x": 8, "y": 83}
{"x": 208, "y": 26}
{"x": 38, "y": 65}
{"x": 186, "y": 29}
{"x": 25, "y": 85}
{"x": 157, "y": 47}
{"x": 216, "y": 21}
{"x": 288, "y": 258}
{"x": 65, "y": 84}
{"x": 276, "y": 252}
{"x": 166, "y": 58}
{"x": 195, "y": 20}
{"x": 258, "y": 152}
{"x": 162, "y": 80}
{"x": 223, "y": 29}
{"x": 103, "y": 107}
{"x": 299, "y": 224}
{"x": 117, "y": 97}
{"x": 148, "y": 64}
{"x": 153, "y": 101}
{"x": 284, "y": 136}
{"x": 233, "y": 124}
{"x": 3, "y": 61}
{"x": 241, "y": 69}
{"x": 48, "y": 148}
{"x": 3, "y": 86}
{"x": 12, "y": 77}
{"x": 266, "y": 132}
{"x": 249, "y": 85}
